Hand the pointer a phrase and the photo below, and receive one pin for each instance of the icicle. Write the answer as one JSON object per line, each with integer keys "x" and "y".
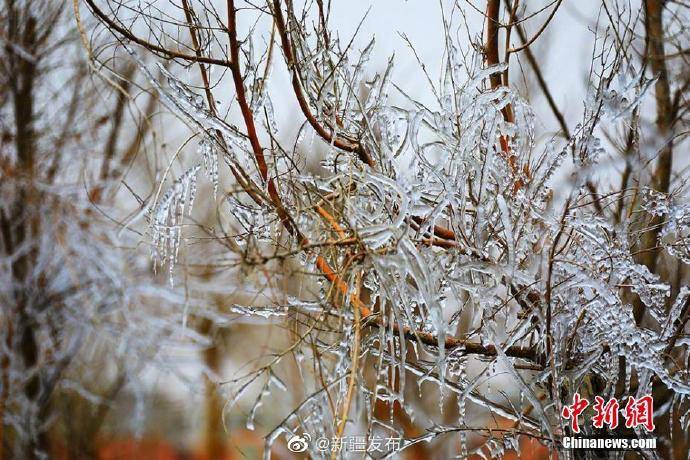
{"x": 210, "y": 155}
{"x": 166, "y": 222}
{"x": 257, "y": 404}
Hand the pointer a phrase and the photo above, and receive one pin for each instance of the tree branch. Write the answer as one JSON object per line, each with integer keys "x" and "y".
{"x": 168, "y": 54}
{"x": 324, "y": 133}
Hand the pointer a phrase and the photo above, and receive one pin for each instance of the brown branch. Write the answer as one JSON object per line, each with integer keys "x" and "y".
{"x": 537, "y": 34}
{"x": 512, "y": 20}
{"x": 117, "y": 117}
{"x": 439, "y": 231}
{"x": 491, "y": 53}
{"x": 325, "y": 134}
{"x": 426, "y": 338}
{"x": 336, "y": 226}
{"x": 168, "y": 54}
{"x": 239, "y": 88}
{"x": 655, "y": 35}
{"x": 542, "y": 83}
{"x": 682, "y": 321}
{"x": 189, "y": 16}
{"x": 354, "y": 368}
{"x": 661, "y": 178}
{"x": 491, "y": 46}
{"x": 142, "y": 130}
{"x": 239, "y": 174}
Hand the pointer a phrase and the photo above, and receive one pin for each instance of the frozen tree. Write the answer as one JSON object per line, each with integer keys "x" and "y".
{"x": 77, "y": 321}
{"x": 422, "y": 253}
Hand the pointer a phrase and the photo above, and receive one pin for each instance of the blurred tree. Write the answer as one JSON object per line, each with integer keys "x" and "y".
{"x": 66, "y": 284}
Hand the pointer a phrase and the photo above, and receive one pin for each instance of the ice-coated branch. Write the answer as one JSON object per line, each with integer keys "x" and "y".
{"x": 165, "y": 52}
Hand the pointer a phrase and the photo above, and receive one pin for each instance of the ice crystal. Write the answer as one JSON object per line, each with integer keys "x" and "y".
{"x": 167, "y": 218}
{"x": 675, "y": 232}
{"x": 209, "y": 153}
